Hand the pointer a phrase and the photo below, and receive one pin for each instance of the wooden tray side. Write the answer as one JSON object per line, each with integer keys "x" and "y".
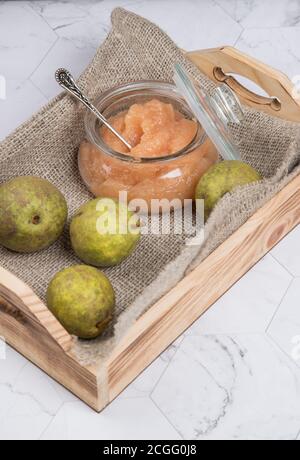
{"x": 198, "y": 291}
{"x": 29, "y": 327}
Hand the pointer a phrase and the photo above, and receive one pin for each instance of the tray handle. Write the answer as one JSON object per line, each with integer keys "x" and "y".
{"x": 283, "y": 101}
{"x": 20, "y": 305}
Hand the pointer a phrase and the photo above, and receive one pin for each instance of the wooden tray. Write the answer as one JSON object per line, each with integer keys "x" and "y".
{"x": 30, "y": 328}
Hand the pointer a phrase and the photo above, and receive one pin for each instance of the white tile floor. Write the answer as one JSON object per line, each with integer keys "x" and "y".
{"x": 235, "y": 374}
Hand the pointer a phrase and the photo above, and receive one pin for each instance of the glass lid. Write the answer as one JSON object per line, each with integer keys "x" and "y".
{"x": 213, "y": 112}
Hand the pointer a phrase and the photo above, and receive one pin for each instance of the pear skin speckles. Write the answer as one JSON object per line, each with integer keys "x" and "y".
{"x": 223, "y": 178}
{"x": 33, "y": 214}
{"x": 82, "y": 299}
{"x": 99, "y": 248}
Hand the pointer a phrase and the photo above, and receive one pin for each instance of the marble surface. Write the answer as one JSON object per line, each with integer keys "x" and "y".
{"x": 235, "y": 374}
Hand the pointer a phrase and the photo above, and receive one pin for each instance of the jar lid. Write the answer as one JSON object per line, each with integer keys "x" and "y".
{"x": 213, "y": 112}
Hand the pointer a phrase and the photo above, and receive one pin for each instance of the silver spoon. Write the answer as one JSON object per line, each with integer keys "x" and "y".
{"x": 66, "y": 81}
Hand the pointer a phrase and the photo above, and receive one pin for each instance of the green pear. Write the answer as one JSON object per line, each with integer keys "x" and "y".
{"x": 223, "y": 178}
{"x": 82, "y": 299}
{"x": 104, "y": 232}
{"x": 32, "y": 214}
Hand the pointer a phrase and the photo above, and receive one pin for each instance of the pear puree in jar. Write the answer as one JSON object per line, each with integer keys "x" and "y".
{"x": 154, "y": 129}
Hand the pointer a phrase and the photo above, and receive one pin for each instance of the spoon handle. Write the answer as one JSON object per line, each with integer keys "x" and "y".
{"x": 67, "y": 82}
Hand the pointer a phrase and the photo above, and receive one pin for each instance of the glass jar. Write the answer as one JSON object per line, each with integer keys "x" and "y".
{"x": 107, "y": 172}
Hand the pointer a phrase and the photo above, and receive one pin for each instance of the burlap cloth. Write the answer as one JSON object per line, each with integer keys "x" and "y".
{"x": 47, "y": 146}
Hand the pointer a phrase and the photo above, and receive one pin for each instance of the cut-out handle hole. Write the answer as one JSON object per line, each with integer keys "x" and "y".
{"x": 244, "y": 92}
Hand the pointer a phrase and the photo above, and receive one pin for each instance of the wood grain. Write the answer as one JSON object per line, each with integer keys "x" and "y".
{"x": 177, "y": 310}
{"x": 32, "y": 308}
{"x": 29, "y": 327}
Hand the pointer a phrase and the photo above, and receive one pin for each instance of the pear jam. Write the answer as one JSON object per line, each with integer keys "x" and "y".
{"x": 158, "y": 132}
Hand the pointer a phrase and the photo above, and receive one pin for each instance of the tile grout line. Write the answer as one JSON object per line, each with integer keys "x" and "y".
{"x": 278, "y": 307}
{"x": 229, "y": 15}
{"x": 272, "y": 27}
{"x": 157, "y": 383}
{"x": 234, "y": 20}
{"x": 63, "y": 404}
{"x": 38, "y": 89}
{"x": 165, "y": 417}
{"x": 37, "y": 14}
{"x": 286, "y": 269}
{"x": 11, "y": 387}
{"x": 43, "y": 59}
{"x": 125, "y": 5}
{"x": 291, "y": 26}
{"x": 276, "y": 345}
{"x": 50, "y": 422}
{"x": 29, "y": 3}
{"x": 166, "y": 368}
{"x": 239, "y": 37}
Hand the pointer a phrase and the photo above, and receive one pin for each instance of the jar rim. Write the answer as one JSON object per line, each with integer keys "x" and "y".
{"x": 170, "y": 90}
